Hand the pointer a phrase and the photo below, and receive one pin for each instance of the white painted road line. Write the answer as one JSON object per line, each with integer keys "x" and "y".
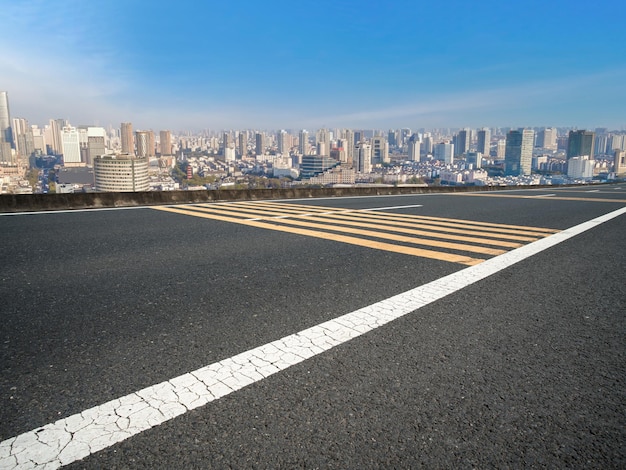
{"x": 75, "y": 437}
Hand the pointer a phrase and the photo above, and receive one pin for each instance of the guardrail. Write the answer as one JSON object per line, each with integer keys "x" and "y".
{"x": 51, "y": 202}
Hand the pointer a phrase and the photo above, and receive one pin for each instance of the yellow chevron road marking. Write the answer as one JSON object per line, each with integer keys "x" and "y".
{"x": 453, "y": 258}
{"x": 330, "y": 223}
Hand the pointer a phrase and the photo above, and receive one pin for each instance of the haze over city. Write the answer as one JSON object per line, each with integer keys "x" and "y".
{"x": 310, "y": 64}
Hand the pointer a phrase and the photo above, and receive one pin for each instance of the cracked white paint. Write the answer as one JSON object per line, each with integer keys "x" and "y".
{"x": 77, "y": 436}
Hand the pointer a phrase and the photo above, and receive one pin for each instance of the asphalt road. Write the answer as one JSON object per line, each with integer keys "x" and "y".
{"x": 523, "y": 369}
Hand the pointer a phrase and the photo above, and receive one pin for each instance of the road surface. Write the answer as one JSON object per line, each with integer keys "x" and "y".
{"x": 108, "y": 316}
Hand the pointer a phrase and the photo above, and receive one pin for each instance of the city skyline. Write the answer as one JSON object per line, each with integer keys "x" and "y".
{"x": 315, "y": 64}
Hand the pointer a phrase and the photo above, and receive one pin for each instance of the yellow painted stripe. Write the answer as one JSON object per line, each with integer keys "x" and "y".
{"x": 446, "y": 228}
{"x": 412, "y": 216}
{"x": 431, "y": 254}
{"x": 261, "y": 212}
{"x": 395, "y": 227}
{"x": 388, "y": 236}
{"x": 468, "y": 224}
{"x": 520, "y": 233}
{"x": 294, "y": 207}
{"x": 552, "y": 198}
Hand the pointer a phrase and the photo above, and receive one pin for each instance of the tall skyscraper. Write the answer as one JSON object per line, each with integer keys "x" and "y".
{"x": 70, "y": 142}
{"x": 227, "y": 142}
{"x": 519, "y": 152}
{"x": 145, "y": 143}
{"x": 427, "y": 144}
{"x": 580, "y": 143}
{"x": 463, "y": 141}
{"x": 6, "y": 133}
{"x": 349, "y": 148}
{"x": 414, "y": 148}
{"x": 363, "y": 157}
{"x": 259, "y": 143}
{"x": 242, "y": 144}
{"x": 484, "y": 141}
{"x": 303, "y": 144}
{"x": 165, "y": 142}
{"x": 444, "y": 152}
{"x": 284, "y": 142}
{"x": 546, "y": 138}
{"x": 23, "y": 137}
{"x": 52, "y": 133}
{"x": 380, "y": 150}
{"x": 322, "y": 136}
{"x": 126, "y": 136}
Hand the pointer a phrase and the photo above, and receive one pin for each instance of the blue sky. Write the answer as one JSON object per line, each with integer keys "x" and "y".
{"x": 312, "y": 63}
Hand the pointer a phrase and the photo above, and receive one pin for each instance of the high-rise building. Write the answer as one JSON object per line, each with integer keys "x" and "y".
{"x": 121, "y": 173}
{"x": 380, "y": 150}
{"x": 322, "y": 136}
{"x": 414, "y": 148}
{"x": 617, "y": 141}
{"x": 144, "y": 140}
{"x": 444, "y": 151}
{"x": 427, "y": 144}
{"x": 519, "y": 152}
{"x": 500, "y": 149}
{"x": 601, "y": 144}
{"x": 546, "y": 139}
{"x": 70, "y": 142}
{"x": 260, "y": 143}
{"x": 126, "y": 136}
{"x": 227, "y": 142}
{"x": 484, "y": 141}
{"x": 580, "y": 167}
{"x": 363, "y": 157}
{"x": 6, "y": 133}
{"x": 96, "y": 143}
{"x": 284, "y": 142}
{"x": 52, "y": 133}
{"x": 23, "y": 137}
{"x": 463, "y": 141}
{"x": 165, "y": 142}
{"x": 348, "y": 135}
{"x": 242, "y": 144}
{"x": 391, "y": 138}
{"x": 303, "y": 144}
{"x": 580, "y": 143}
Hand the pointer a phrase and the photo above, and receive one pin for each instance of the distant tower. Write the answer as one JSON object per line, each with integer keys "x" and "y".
{"x": 23, "y": 137}
{"x": 519, "y": 152}
{"x": 484, "y": 141}
{"x": 303, "y": 145}
{"x": 363, "y": 157}
{"x": 546, "y": 138}
{"x": 70, "y": 141}
{"x": 6, "y": 134}
{"x": 126, "y": 135}
{"x": 500, "y": 149}
{"x": 284, "y": 142}
{"x": 260, "y": 143}
{"x": 380, "y": 150}
{"x": 227, "y": 142}
{"x": 463, "y": 140}
{"x": 444, "y": 152}
{"x": 165, "y": 142}
{"x": 414, "y": 148}
{"x": 145, "y": 143}
{"x": 242, "y": 144}
{"x": 580, "y": 143}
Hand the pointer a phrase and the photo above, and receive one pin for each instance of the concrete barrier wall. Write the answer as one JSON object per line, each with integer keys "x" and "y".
{"x": 51, "y": 202}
